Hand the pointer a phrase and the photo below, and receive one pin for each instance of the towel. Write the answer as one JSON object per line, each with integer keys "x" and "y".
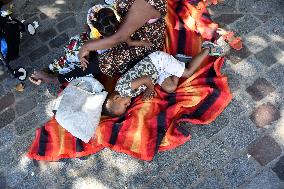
{"x": 79, "y": 107}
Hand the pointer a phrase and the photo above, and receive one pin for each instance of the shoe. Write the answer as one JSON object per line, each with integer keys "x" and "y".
{"x": 214, "y": 49}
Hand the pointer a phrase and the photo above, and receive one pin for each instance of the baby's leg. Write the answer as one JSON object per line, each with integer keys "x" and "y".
{"x": 195, "y": 63}
{"x": 170, "y": 84}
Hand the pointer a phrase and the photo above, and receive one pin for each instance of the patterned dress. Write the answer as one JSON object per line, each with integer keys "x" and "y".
{"x": 118, "y": 59}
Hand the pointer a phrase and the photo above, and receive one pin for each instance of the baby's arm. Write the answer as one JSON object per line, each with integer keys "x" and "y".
{"x": 144, "y": 80}
{"x": 137, "y": 43}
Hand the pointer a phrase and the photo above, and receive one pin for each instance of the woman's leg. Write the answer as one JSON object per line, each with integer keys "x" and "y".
{"x": 92, "y": 70}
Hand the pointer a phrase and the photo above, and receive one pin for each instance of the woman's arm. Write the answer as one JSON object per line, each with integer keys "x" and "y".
{"x": 136, "y": 43}
{"x": 139, "y": 13}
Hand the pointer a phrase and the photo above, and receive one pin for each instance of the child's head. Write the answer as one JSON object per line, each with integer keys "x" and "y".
{"x": 115, "y": 105}
{"x": 106, "y": 22}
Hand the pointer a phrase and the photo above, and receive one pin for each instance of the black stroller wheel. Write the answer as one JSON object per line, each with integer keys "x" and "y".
{"x": 20, "y": 73}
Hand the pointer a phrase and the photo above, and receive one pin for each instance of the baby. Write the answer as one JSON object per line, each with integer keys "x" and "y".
{"x": 157, "y": 68}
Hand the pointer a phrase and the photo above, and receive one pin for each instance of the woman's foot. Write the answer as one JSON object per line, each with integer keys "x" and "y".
{"x": 40, "y": 76}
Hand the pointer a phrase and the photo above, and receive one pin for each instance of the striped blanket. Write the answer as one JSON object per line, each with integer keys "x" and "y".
{"x": 152, "y": 126}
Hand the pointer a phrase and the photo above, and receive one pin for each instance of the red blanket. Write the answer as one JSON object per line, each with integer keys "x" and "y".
{"x": 152, "y": 126}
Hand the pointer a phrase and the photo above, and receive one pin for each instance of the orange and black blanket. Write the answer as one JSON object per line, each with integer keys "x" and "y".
{"x": 153, "y": 126}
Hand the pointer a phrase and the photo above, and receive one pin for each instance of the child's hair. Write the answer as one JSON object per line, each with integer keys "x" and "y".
{"x": 105, "y": 110}
{"x": 106, "y": 22}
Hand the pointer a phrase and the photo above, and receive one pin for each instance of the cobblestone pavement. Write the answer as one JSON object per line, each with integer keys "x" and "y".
{"x": 243, "y": 148}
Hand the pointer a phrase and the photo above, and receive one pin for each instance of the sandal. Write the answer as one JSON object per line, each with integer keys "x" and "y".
{"x": 229, "y": 37}
{"x": 214, "y": 49}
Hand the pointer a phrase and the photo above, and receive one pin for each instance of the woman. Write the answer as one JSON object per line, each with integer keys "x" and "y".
{"x": 142, "y": 20}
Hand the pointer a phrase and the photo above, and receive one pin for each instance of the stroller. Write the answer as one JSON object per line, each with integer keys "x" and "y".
{"x": 10, "y": 36}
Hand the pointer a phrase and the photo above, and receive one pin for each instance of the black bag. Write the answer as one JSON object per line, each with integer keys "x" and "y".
{"x": 10, "y": 30}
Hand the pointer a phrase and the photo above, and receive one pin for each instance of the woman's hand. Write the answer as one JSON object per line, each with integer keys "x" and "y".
{"x": 83, "y": 54}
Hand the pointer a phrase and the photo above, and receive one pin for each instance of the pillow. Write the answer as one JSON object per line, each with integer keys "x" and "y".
{"x": 79, "y": 107}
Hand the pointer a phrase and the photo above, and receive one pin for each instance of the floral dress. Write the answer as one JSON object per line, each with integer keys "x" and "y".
{"x": 120, "y": 58}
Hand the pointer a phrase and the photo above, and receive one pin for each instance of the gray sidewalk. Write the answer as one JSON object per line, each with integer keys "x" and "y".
{"x": 243, "y": 148}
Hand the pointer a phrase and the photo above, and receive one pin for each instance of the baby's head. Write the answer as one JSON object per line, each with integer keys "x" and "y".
{"x": 106, "y": 22}
{"x": 115, "y": 105}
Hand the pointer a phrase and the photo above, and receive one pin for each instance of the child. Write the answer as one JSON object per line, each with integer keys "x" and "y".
{"x": 103, "y": 22}
{"x": 157, "y": 68}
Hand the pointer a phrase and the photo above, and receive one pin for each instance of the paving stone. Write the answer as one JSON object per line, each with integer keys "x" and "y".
{"x": 4, "y": 76}
{"x": 264, "y": 18}
{"x": 211, "y": 182}
{"x": 22, "y": 61}
{"x": 25, "y": 105}
{"x": 280, "y": 45}
{"x": 28, "y": 15}
{"x": 276, "y": 75}
{"x": 38, "y": 53}
{"x": 7, "y": 136}
{"x": 240, "y": 134}
{"x": 158, "y": 183}
{"x": 265, "y": 114}
{"x": 237, "y": 56}
{"x": 260, "y": 89}
{"x": 6, "y": 157}
{"x": 2, "y": 180}
{"x": 59, "y": 40}
{"x": 235, "y": 109}
{"x": 257, "y": 41}
{"x": 249, "y": 68}
{"x": 2, "y": 90}
{"x": 30, "y": 90}
{"x": 207, "y": 131}
{"x": 21, "y": 145}
{"x": 260, "y": 6}
{"x": 213, "y": 155}
{"x": 274, "y": 28}
{"x": 43, "y": 62}
{"x": 238, "y": 170}
{"x": 228, "y": 6}
{"x": 266, "y": 179}
{"x": 6, "y": 101}
{"x": 264, "y": 150}
{"x": 43, "y": 16}
{"x": 61, "y": 16}
{"x": 66, "y": 24}
{"x": 6, "y": 117}
{"x": 26, "y": 124}
{"x": 31, "y": 182}
{"x": 47, "y": 35}
{"x": 184, "y": 175}
{"x": 268, "y": 56}
{"x": 234, "y": 80}
{"x": 226, "y": 19}
{"x": 279, "y": 168}
{"x": 245, "y": 25}
{"x": 14, "y": 179}
{"x": 76, "y": 5}
{"x": 29, "y": 45}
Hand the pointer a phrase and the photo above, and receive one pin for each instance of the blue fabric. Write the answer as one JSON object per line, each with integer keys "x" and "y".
{"x": 4, "y": 47}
